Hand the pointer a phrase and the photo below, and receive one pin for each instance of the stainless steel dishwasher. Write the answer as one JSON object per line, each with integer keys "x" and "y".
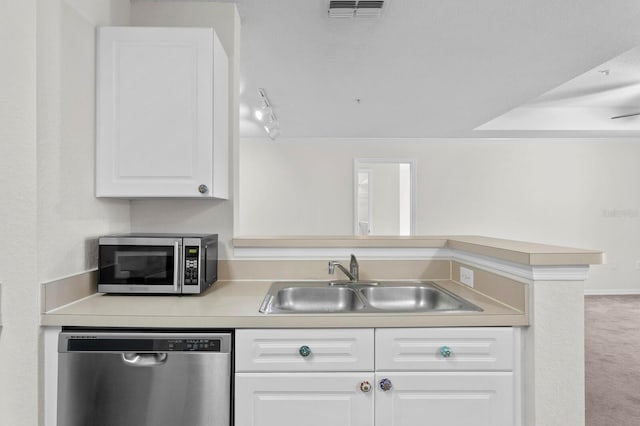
{"x": 144, "y": 378}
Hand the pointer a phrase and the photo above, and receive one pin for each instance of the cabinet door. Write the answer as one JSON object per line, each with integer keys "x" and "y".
{"x": 155, "y": 109}
{"x": 309, "y": 399}
{"x": 451, "y": 399}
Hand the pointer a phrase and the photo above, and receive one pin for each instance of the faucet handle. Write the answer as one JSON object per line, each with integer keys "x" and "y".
{"x": 332, "y": 267}
{"x": 354, "y": 268}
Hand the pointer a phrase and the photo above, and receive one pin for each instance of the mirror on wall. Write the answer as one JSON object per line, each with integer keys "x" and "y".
{"x": 383, "y": 196}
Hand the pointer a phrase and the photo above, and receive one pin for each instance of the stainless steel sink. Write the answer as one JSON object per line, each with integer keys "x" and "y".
{"x": 361, "y": 297}
{"x": 416, "y": 298}
{"x": 314, "y": 299}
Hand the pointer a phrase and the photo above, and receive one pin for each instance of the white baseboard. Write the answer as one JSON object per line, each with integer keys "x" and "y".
{"x": 613, "y": 292}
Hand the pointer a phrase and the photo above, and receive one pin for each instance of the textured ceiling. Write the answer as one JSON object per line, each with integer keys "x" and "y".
{"x": 585, "y": 103}
{"x": 436, "y": 68}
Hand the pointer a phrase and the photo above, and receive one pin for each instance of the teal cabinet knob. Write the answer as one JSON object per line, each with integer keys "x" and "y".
{"x": 304, "y": 351}
{"x": 446, "y": 351}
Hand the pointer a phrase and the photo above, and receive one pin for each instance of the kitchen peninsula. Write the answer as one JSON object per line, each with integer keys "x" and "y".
{"x": 536, "y": 289}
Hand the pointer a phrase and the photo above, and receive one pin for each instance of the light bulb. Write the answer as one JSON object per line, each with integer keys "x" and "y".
{"x": 274, "y": 133}
{"x": 272, "y": 129}
{"x": 265, "y": 114}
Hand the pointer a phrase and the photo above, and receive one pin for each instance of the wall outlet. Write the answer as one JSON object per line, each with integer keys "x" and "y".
{"x": 638, "y": 265}
{"x": 466, "y": 276}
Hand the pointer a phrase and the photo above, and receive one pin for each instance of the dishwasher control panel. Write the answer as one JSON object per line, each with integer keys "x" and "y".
{"x": 206, "y": 345}
{"x": 141, "y": 343}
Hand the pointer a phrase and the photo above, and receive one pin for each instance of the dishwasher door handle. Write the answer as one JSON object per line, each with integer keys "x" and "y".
{"x": 144, "y": 359}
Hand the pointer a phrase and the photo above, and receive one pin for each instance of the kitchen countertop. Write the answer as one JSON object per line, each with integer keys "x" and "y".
{"x": 521, "y": 252}
{"x": 235, "y": 304}
{"x": 234, "y": 301}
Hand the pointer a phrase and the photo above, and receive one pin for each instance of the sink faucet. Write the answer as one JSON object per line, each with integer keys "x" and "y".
{"x": 353, "y": 273}
{"x": 354, "y": 268}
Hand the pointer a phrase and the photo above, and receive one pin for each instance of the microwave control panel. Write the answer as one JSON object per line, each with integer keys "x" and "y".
{"x": 191, "y": 258}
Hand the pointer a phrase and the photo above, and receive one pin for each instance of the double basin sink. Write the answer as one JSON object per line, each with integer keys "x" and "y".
{"x": 361, "y": 297}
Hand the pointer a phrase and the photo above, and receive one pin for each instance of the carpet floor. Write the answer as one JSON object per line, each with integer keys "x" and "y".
{"x": 612, "y": 358}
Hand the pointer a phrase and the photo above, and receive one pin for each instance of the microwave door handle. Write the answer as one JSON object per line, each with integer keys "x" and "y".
{"x": 176, "y": 265}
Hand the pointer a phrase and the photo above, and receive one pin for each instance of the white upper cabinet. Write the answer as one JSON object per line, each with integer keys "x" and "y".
{"x": 162, "y": 113}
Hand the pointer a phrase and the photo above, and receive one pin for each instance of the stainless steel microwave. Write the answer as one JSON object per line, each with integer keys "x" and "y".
{"x": 157, "y": 263}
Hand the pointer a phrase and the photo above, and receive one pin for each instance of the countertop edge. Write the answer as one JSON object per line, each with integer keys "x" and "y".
{"x": 513, "y": 320}
{"x": 526, "y": 253}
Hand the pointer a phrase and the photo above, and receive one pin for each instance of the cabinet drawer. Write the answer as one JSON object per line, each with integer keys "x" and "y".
{"x": 476, "y": 348}
{"x": 284, "y": 350}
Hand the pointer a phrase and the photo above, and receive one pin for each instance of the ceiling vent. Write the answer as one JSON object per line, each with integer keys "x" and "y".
{"x": 356, "y": 8}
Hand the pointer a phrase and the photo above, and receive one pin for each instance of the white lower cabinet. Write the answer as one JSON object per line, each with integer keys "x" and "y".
{"x": 303, "y": 399}
{"x": 398, "y": 377}
{"x": 451, "y": 399}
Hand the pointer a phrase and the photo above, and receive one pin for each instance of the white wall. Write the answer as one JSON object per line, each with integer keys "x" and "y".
{"x": 580, "y": 193}
{"x": 69, "y": 216}
{"x": 194, "y": 215}
{"x": 49, "y": 213}
{"x": 18, "y": 203}
{"x": 295, "y": 187}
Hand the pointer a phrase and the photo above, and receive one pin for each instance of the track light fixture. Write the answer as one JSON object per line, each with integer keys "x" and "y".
{"x": 266, "y": 116}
